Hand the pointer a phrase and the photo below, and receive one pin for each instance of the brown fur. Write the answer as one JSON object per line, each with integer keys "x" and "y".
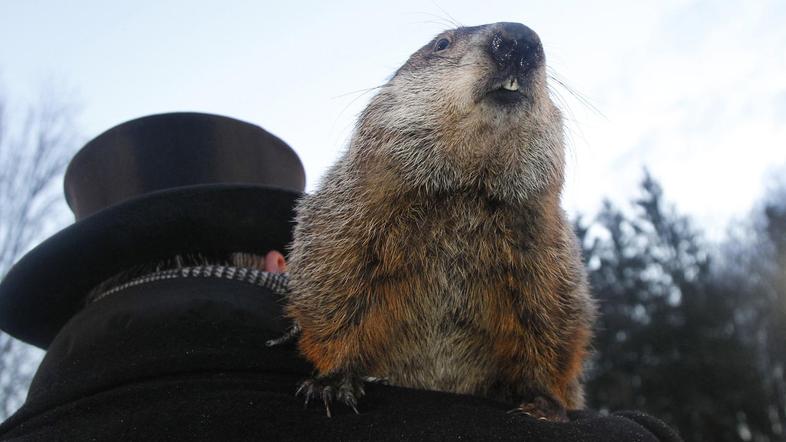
{"x": 435, "y": 253}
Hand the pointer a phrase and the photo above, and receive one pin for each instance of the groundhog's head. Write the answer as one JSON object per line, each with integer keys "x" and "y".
{"x": 470, "y": 109}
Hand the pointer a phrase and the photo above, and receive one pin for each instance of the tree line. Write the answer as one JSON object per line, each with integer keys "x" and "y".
{"x": 691, "y": 332}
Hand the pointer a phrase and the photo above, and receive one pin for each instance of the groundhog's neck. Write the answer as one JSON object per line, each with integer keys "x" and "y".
{"x": 384, "y": 194}
{"x": 424, "y": 166}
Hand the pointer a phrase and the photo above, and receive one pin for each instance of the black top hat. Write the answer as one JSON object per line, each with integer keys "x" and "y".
{"x": 148, "y": 189}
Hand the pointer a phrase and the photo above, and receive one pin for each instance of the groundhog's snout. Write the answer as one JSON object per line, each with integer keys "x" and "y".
{"x": 515, "y": 48}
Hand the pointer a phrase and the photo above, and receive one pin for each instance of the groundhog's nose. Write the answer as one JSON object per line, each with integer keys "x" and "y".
{"x": 514, "y": 45}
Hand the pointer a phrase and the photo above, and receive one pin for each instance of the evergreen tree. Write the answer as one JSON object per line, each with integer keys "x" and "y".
{"x": 667, "y": 341}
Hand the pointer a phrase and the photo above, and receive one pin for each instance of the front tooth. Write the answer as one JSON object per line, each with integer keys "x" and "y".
{"x": 512, "y": 85}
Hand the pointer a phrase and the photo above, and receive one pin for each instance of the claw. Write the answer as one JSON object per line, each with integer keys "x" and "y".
{"x": 349, "y": 399}
{"x": 327, "y": 405}
{"x": 343, "y": 387}
{"x": 327, "y": 398}
{"x": 309, "y": 395}
{"x": 542, "y": 408}
{"x": 307, "y": 388}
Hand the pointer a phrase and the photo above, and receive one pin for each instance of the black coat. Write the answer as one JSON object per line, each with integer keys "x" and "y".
{"x": 185, "y": 359}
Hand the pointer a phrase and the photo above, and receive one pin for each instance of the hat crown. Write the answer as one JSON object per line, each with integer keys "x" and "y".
{"x": 168, "y": 151}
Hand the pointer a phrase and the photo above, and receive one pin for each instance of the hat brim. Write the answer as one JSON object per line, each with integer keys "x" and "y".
{"x": 45, "y": 288}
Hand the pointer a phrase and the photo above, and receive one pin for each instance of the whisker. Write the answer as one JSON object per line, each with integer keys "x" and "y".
{"x": 573, "y": 130}
{"x": 455, "y": 22}
{"x": 360, "y": 91}
{"x": 441, "y": 21}
{"x": 555, "y": 93}
{"x": 568, "y": 117}
{"x": 581, "y": 98}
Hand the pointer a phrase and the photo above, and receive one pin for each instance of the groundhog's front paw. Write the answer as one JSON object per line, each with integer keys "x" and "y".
{"x": 346, "y": 388}
{"x": 543, "y": 408}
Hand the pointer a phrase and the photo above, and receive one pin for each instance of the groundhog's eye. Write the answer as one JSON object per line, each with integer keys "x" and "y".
{"x": 441, "y": 45}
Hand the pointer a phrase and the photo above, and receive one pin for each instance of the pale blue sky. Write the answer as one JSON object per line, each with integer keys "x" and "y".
{"x": 696, "y": 90}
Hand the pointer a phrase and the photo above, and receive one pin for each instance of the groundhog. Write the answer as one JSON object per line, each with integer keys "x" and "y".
{"x": 435, "y": 254}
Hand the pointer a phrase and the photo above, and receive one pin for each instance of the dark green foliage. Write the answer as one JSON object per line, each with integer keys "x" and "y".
{"x": 680, "y": 335}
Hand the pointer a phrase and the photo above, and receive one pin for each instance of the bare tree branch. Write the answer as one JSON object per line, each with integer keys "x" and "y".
{"x": 34, "y": 150}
